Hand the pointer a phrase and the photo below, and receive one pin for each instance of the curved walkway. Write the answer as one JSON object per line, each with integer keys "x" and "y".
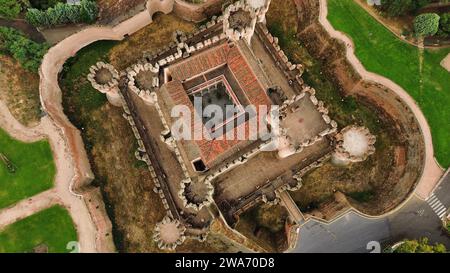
{"x": 60, "y": 193}
{"x": 431, "y": 171}
{"x": 16, "y": 129}
{"x": 28, "y": 207}
{"x": 91, "y": 225}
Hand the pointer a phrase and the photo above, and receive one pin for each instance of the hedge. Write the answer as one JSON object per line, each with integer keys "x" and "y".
{"x": 27, "y": 52}
{"x": 84, "y": 12}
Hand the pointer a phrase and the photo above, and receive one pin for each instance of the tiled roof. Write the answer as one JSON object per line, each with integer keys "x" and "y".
{"x": 200, "y": 63}
{"x": 211, "y": 150}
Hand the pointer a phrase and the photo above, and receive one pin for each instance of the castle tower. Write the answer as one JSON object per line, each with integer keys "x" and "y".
{"x": 105, "y": 78}
{"x": 262, "y": 6}
{"x": 144, "y": 81}
{"x": 169, "y": 233}
{"x": 240, "y": 18}
{"x": 354, "y": 144}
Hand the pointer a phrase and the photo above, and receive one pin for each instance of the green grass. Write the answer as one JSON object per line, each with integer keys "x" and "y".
{"x": 80, "y": 98}
{"x": 52, "y": 227}
{"x": 381, "y": 52}
{"x": 35, "y": 169}
{"x": 74, "y": 81}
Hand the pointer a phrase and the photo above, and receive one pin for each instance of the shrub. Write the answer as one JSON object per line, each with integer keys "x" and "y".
{"x": 426, "y": 24}
{"x": 420, "y": 246}
{"x": 9, "y": 8}
{"x": 85, "y": 12}
{"x": 27, "y": 52}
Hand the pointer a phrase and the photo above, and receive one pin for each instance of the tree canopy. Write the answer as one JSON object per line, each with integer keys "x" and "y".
{"x": 420, "y": 246}
{"x": 10, "y": 8}
{"x": 402, "y": 7}
{"x": 84, "y": 12}
{"x": 27, "y": 52}
{"x": 426, "y": 24}
{"x": 444, "y": 25}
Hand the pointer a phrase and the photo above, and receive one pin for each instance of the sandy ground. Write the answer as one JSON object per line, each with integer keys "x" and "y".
{"x": 432, "y": 171}
{"x": 446, "y": 63}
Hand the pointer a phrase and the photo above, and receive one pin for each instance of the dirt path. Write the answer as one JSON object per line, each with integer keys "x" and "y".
{"x": 62, "y": 192}
{"x": 28, "y": 207}
{"x": 16, "y": 129}
{"x": 432, "y": 171}
{"x": 446, "y": 63}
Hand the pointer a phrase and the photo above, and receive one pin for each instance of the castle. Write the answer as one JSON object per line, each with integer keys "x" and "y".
{"x": 231, "y": 60}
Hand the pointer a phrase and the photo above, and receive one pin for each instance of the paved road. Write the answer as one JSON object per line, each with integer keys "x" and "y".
{"x": 352, "y": 232}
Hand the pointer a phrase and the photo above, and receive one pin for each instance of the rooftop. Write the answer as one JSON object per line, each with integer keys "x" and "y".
{"x": 224, "y": 68}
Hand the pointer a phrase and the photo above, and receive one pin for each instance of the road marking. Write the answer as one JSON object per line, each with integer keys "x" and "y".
{"x": 432, "y": 200}
{"x": 436, "y": 205}
{"x": 441, "y": 212}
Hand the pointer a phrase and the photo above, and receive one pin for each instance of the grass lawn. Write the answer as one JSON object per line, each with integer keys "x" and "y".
{"x": 381, "y": 52}
{"x": 52, "y": 227}
{"x": 35, "y": 169}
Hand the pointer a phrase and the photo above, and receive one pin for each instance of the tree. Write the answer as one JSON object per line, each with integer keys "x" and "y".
{"x": 426, "y": 24}
{"x": 89, "y": 11}
{"x": 37, "y": 18}
{"x": 27, "y": 52}
{"x": 420, "y": 246}
{"x": 401, "y": 7}
{"x": 84, "y": 12}
{"x": 9, "y": 8}
{"x": 444, "y": 25}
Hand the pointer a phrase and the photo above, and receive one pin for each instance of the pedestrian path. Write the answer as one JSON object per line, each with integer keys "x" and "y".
{"x": 436, "y": 205}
